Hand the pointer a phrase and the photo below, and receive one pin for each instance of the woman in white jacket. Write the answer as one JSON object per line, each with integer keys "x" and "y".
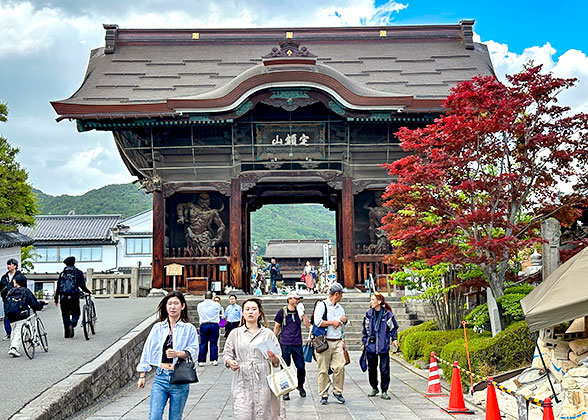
{"x": 171, "y": 338}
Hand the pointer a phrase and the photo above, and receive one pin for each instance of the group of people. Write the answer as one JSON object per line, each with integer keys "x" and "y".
{"x": 174, "y": 337}
{"x": 309, "y": 274}
{"x": 18, "y": 301}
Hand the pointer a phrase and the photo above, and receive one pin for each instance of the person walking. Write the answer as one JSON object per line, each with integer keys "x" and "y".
{"x": 19, "y": 301}
{"x": 288, "y": 328}
{"x": 70, "y": 281}
{"x": 275, "y": 274}
{"x": 170, "y": 339}
{"x": 6, "y": 283}
{"x": 209, "y": 317}
{"x": 379, "y": 327}
{"x": 329, "y": 319}
{"x": 252, "y": 396}
{"x": 309, "y": 274}
{"x": 233, "y": 314}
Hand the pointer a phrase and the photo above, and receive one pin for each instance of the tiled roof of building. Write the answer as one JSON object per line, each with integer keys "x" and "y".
{"x": 148, "y": 67}
{"x": 72, "y": 228}
{"x": 10, "y": 239}
{"x": 295, "y": 248}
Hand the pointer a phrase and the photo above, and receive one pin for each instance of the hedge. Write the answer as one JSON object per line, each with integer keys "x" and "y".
{"x": 509, "y": 349}
{"x": 425, "y": 326}
{"x": 420, "y": 344}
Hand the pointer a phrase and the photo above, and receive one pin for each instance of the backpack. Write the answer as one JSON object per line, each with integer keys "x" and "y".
{"x": 68, "y": 286}
{"x": 15, "y": 306}
{"x": 283, "y": 324}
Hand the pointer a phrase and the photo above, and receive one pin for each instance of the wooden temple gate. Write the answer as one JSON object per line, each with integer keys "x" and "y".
{"x": 217, "y": 123}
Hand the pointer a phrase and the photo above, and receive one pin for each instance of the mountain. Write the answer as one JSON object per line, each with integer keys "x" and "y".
{"x": 291, "y": 221}
{"x": 125, "y": 199}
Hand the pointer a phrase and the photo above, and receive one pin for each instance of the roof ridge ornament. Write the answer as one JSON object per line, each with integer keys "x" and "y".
{"x": 289, "y": 48}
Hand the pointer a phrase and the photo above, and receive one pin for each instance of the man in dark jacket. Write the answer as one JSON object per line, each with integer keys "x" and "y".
{"x": 70, "y": 281}
{"x": 20, "y": 301}
{"x": 275, "y": 274}
{"x": 6, "y": 285}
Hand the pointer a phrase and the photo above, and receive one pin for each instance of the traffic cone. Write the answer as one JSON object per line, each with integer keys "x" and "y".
{"x": 434, "y": 381}
{"x": 456, "y": 402}
{"x": 492, "y": 410}
{"x": 548, "y": 409}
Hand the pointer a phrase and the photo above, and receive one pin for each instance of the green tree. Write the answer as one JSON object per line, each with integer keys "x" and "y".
{"x": 17, "y": 202}
{"x": 27, "y": 258}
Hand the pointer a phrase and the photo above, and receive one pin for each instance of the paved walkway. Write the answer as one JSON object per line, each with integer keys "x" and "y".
{"x": 211, "y": 399}
{"x": 22, "y": 380}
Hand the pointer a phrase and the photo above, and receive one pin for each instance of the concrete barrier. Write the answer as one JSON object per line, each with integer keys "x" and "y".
{"x": 105, "y": 375}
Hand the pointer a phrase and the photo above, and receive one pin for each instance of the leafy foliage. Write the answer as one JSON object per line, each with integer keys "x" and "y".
{"x": 478, "y": 181}
{"x": 17, "y": 203}
{"x": 509, "y": 305}
{"x": 291, "y": 221}
{"x": 125, "y": 199}
{"x": 27, "y": 256}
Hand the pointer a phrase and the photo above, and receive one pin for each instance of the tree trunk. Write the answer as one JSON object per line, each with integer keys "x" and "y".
{"x": 496, "y": 282}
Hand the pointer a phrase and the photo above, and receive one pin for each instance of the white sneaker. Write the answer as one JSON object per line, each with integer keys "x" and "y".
{"x": 13, "y": 352}
{"x": 6, "y": 338}
{"x": 200, "y": 364}
{"x": 214, "y": 363}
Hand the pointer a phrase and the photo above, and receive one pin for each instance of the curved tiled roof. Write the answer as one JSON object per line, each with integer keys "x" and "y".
{"x": 10, "y": 239}
{"x": 72, "y": 228}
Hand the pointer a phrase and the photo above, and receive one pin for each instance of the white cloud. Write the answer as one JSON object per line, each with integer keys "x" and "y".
{"x": 571, "y": 64}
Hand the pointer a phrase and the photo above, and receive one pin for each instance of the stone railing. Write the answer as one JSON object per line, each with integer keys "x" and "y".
{"x": 115, "y": 285}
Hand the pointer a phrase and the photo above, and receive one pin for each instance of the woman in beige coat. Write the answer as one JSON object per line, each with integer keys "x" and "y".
{"x": 252, "y": 397}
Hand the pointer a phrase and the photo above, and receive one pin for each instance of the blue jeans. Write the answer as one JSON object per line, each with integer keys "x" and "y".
{"x": 273, "y": 289}
{"x": 7, "y": 326}
{"x": 294, "y": 352}
{"x": 161, "y": 391}
{"x": 208, "y": 334}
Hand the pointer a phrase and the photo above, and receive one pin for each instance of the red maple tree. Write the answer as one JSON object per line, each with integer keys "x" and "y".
{"x": 478, "y": 181}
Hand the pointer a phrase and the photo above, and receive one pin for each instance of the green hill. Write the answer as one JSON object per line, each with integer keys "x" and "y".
{"x": 291, "y": 221}
{"x": 125, "y": 199}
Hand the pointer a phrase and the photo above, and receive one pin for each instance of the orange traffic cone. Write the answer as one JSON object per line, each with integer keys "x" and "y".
{"x": 548, "y": 409}
{"x": 434, "y": 381}
{"x": 456, "y": 402}
{"x": 492, "y": 410}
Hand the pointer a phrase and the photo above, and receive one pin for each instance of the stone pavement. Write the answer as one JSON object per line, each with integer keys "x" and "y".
{"x": 211, "y": 399}
{"x": 22, "y": 380}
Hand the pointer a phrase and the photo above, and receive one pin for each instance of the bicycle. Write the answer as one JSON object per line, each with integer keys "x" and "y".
{"x": 33, "y": 334}
{"x": 89, "y": 317}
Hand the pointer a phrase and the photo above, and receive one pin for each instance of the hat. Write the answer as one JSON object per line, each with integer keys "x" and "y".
{"x": 335, "y": 287}
{"x": 69, "y": 261}
{"x": 293, "y": 294}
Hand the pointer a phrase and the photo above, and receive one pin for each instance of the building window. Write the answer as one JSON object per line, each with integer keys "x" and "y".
{"x": 138, "y": 246}
{"x": 58, "y": 254}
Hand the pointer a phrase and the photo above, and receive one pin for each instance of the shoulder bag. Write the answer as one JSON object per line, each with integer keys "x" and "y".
{"x": 307, "y": 349}
{"x": 282, "y": 381}
{"x": 184, "y": 371}
{"x": 319, "y": 335}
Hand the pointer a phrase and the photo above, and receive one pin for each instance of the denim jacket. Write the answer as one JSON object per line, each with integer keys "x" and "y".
{"x": 388, "y": 331}
{"x": 184, "y": 338}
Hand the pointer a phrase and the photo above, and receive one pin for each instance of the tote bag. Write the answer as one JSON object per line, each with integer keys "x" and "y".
{"x": 307, "y": 350}
{"x": 282, "y": 381}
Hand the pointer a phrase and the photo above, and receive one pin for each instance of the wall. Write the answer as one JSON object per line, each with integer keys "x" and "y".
{"x": 108, "y": 263}
{"x": 6, "y": 254}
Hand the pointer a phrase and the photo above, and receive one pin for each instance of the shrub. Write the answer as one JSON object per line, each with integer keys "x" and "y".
{"x": 425, "y": 326}
{"x": 521, "y": 288}
{"x": 509, "y": 305}
{"x": 420, "y": 344}
{"x": 509, "y": 349}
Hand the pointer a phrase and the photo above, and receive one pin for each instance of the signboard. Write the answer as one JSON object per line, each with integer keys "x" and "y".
{"x": 222, "y": 268}
{"x": 294, "y": 141}
{"x": 216, "y": 286}
{"x": 174, "y": 269}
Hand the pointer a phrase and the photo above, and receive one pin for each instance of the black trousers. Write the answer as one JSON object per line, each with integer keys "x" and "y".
{"x": 372, "y": 359}
{"x": 289, "y": 353}
{"x": 230, "y": 327}
{"x": 70, "y": 312}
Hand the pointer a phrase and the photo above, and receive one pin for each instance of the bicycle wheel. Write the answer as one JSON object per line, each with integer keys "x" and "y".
{"x": 86, "y": 322}
{"x": 93, "y": 317}
{"x": 27, "y": 341}
{"x": 42, "y": 335}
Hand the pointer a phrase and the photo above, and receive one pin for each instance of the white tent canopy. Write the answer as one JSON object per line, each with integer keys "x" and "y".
{"x": 561, "y": 297}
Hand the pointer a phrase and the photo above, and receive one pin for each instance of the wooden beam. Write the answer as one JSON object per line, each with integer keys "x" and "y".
{"x": 158, "y": 239}
{"x": 347, "y": 221}
{"x": 236, "y": 235}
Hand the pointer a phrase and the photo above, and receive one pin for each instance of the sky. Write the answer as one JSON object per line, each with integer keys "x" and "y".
{"x": 46, "y": 44}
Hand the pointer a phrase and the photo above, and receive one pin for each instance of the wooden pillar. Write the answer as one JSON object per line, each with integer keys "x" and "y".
{"x": 158, "y": 240}
{"x": 236, "y": 235}
{"x": 347, "y": 234}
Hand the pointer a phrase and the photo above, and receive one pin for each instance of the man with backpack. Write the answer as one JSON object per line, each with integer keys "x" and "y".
{"x": 18, "y": 303}
{"x": 70, "y": 281}
{"x": 288, "y": 329}
{"x": 5, "y": 285}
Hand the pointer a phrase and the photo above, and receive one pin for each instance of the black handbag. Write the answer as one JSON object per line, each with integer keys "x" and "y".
{"x": 184, "y": 371}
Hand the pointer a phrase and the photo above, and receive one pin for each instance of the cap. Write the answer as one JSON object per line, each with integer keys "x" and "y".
{"x": 293, "y": 294}
{"x": 335, "y": 287}
{"x": 69, "y": 261}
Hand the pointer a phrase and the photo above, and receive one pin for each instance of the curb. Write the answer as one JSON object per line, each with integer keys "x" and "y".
{"x": 105, "y": 375}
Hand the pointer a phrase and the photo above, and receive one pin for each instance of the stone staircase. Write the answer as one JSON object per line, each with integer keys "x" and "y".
{"x": 355, "y": 305}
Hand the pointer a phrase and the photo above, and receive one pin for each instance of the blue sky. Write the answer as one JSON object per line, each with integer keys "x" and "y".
{"x": 46, "y": 44}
